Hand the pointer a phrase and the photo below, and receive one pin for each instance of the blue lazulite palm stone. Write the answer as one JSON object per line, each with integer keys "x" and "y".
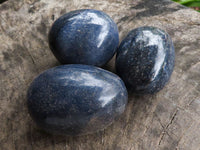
{"x": 84, "y": 36}
{"x": 145, "y": 60}
{"x": 76, "y": 99}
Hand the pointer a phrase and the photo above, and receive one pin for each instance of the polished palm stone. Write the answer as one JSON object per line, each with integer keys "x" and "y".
{"x": 145, "y": 60}
{"x": 76, "y": 99}
{"x": 84, "y": 36}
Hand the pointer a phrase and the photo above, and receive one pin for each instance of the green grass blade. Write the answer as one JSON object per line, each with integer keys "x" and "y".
{"x": 186, "y": 2}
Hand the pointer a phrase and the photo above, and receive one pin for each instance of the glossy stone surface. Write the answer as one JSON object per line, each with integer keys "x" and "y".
{"x": 76, "y": 99}
{"x": 84, "y": 36}
{"x": 145, "y": 60}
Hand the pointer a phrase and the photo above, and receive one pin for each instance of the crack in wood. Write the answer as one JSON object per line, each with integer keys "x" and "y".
{"x": 164, "y": 130}
{"x": 174, "y": 115}
{"x": 161, "y": 138}
{"x": 167, "y": 126}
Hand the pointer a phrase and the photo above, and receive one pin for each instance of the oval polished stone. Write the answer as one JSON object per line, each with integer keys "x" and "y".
{"x": 84, "y": 36}
{"x": 76, "y": 99}
{"x": 145, "y": 60}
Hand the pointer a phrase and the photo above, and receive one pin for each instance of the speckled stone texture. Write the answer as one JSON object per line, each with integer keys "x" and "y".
{"x": 84, "y": 37}
{"x": 167, "y": 120}
{"x": 145, "y": 60}
{"x": 76, "y": 99}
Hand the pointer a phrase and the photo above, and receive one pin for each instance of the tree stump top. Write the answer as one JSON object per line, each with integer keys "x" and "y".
{"x": 167, "y": 120}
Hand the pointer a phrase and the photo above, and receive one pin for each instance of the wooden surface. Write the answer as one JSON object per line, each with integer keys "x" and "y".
{"x": 168, "y": 120}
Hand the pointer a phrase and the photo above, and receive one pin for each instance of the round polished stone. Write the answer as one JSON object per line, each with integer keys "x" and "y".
{"x": 145, "y": 60}
{"x": 84, "y": 36}
{"x": 76, "y": 99}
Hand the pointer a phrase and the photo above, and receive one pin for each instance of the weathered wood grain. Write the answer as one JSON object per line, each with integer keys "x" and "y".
{"x": 166, "y": 121}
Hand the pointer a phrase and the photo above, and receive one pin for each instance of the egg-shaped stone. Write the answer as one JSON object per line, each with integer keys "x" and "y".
{"x": 85, "y": 36}
{"x": 76, "y": 99}
{"x": 145, "y": 60}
